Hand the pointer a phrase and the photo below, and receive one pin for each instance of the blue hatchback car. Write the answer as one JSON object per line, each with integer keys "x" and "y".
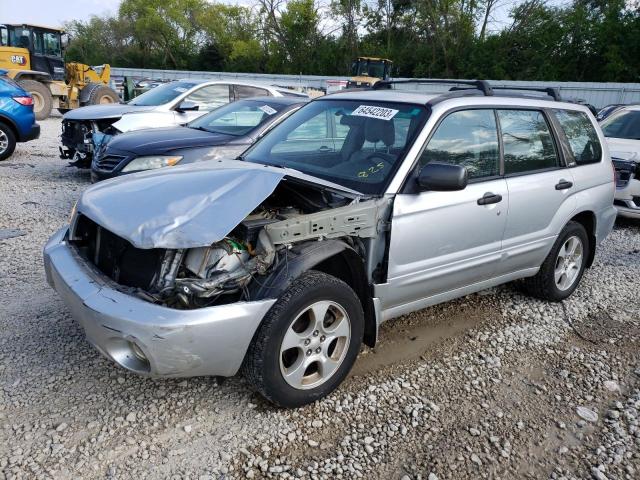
{"x": 17, "y": 121}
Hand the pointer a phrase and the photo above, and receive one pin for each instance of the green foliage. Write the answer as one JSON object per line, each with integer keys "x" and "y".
{"x": 587, "y": 40}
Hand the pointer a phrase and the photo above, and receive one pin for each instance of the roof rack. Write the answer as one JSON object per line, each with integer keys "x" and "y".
{"x": 552, "y": 92}
{"x": 481, "y": 85}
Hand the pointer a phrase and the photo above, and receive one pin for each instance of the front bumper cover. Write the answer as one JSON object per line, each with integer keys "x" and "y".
{"x": 627, "y": 198}
{"x": 144, "y": 337}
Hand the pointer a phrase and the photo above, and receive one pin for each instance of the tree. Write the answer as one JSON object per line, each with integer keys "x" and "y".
{"x": 590, "y": 40}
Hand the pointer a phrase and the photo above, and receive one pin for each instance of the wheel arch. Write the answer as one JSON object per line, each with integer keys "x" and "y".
{"x": 587, "y": 219}
{"x": 333, "y": 257}
{"x": 11, "y": 124}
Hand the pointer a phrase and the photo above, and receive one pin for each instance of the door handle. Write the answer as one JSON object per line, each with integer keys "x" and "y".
{"x": 489, "y": 198}
{"x": 563, "y": 184}
{"x": 324, "y": 149}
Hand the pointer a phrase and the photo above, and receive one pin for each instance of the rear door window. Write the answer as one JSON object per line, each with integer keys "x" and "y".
{"x": 468, "y": 138}
{"x": 245, "y": 91}
{"x": 581, "y": 135}
{"x": 210, "y": 97}
{"x": 527, "y": 142}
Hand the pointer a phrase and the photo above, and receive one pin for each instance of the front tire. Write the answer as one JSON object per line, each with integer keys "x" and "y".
{"x": 307, "y": 342}
{"x": 42, "y": 101}
{"x": 7, "y": 141}
{"x": 562, "y": 270}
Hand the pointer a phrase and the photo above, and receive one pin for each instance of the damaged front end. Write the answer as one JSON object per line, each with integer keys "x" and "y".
{"x": 81, "y": 139}
{"x": 627, "y": 198}
{"x": 207, "y": 257}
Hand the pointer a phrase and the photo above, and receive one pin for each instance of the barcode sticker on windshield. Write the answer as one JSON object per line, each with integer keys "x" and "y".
{"x": 374, "y": 112}
{"x": 180, "y": 89}
{"x": 267, "y": 109}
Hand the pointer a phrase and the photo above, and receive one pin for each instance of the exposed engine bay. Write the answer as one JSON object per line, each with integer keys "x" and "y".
{"x": 233, "y": 268}
{"x": 78, "y": 138}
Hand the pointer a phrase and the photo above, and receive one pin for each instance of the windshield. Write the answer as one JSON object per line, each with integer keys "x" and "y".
{"x": 355, "y": 144}
{"x": 623, "y": 124}
{"x": 238, "y": 118}
{"x": 162, "y": 94}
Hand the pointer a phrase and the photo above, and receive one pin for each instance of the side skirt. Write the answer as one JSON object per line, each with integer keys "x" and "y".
{"x": 384, "y": 314}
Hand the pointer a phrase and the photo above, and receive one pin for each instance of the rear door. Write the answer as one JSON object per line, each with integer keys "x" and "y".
{"x": 443, "y": 241}
{"x": 540, "y": 188}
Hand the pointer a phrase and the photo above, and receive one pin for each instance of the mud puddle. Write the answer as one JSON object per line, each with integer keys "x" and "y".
{"x": 407, "y": 338}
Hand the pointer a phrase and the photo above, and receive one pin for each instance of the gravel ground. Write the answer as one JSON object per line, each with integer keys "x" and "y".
{"x": 493, "y": 385}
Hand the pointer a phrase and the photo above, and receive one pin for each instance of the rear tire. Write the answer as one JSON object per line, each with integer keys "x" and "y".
{"x": 101, "y": 95}
{"x": 562, "y": 270}
{"x": 7, "y": 141}
{"x": 42, "y": 101}
{"x": 296, "y": 357}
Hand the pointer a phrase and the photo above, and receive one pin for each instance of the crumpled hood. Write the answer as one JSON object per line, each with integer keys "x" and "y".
{"x": 98, "y": 112}
{"x": 624, "y": 149}
{"x": 179, "y": 207}
{"x": 155, "y": 141}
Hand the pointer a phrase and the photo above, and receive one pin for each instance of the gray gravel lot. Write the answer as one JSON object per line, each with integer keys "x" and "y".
{"x": 494, "y": 385}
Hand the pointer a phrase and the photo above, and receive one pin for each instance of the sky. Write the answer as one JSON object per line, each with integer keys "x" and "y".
{"x": 53, "y": 12}
{"x": 56, "y": 12}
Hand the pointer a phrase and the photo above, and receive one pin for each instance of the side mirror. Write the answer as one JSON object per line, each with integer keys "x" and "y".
{"x": 64, "y": 40}
{"x": 442, "y": 177}
{"x": 187, "y": 106}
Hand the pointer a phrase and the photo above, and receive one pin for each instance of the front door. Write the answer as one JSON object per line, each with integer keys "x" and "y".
{"x": 442, "y": 241}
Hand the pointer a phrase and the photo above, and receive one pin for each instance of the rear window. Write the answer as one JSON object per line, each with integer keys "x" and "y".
{"x": 582, "y": 137}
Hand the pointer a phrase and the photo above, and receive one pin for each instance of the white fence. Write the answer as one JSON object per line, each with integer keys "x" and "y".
{"x": 597, "y": 94}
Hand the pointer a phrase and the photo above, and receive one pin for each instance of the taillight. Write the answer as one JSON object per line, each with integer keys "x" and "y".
{"x": 26, "y": 101}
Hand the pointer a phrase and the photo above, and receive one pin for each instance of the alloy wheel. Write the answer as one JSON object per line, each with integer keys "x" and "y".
{"x": 568, "y": 263}
{"x": 4, "y": 142}
{"x": 315, "y": 345}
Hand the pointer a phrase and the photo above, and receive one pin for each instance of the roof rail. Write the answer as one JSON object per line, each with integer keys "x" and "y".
{"x": 552, "y": 92}
{"x": 481, "y": 85}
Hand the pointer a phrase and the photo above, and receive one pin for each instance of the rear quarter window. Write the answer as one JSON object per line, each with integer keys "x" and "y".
{"x": 581, "y": 135}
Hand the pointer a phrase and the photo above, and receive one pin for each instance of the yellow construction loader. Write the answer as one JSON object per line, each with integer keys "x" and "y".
{"x": 367, "y": 71}
{"x": 32, "y": 56}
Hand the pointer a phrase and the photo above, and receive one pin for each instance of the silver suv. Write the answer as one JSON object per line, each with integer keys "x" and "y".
{"x": 360, "y": 207}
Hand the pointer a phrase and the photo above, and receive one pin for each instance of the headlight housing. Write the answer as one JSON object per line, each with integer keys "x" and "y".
{"x": 151, "y": 162}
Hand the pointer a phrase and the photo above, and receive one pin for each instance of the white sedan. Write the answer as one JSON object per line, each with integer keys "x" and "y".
{"x": 622, "y": 130}
{"x": 170, "y": 104}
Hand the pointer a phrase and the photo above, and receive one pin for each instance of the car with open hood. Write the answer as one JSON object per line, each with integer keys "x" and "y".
{"x": 223, "y": 133}
{"x": 622, "y": 129}
{"x": 356, "y": 209}
{"x": 169, "y": 104}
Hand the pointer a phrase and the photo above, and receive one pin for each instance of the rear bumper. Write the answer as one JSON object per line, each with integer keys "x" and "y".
{"x": 174, "y": 343}
{"x": 32, "y": 134}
